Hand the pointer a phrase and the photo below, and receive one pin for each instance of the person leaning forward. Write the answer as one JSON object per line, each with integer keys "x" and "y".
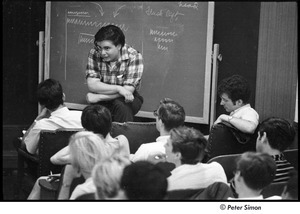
{"x": 114, "y": 72}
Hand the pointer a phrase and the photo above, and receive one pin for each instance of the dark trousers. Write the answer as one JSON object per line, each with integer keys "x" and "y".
{"x": 122, "y": 111}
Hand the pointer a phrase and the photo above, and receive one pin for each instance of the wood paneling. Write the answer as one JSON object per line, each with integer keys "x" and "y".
{"x": 277, "y": 60}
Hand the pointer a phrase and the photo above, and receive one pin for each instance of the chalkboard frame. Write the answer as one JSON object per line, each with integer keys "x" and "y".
{"x": 207, "y": 108}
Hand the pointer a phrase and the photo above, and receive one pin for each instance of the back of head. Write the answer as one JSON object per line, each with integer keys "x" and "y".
{"x": 171, "y": 113}
{"x": 111, "y": 33}
{"x": 190, "y": 143}
{"x": 236, "y": 87}
{"x": 87, "y": 149}
{"x": 257, "y": 169}
{"x": 97, "y": 119}
{"x": 291, "y": 189}
{"x": 107, "y": 176}
{"x": 50, "y": 94}
{"x": 279, "y": 132}
{"x": 143, "y": 180}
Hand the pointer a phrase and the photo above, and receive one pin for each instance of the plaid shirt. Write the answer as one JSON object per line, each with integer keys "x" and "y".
{"x": 127, "y": 71}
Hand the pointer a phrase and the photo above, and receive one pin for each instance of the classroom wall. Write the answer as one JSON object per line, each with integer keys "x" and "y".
{"x": 277, "y": 67}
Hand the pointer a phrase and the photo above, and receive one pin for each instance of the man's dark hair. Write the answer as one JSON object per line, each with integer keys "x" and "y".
{"x": 111, "y": 33}
{"x": 236, "y": 87}
{"x": 190, "y": 143}
{"x": 96, "y": 118}
{"x": 257, "y": 169}
{"x": 50, "y": 94}
{"x": 171, "y": 113}
{"x": 143, "y": 180}
{"x": 279, "y": 132}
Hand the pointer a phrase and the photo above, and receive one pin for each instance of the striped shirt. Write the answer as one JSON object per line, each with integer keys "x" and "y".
{"x": 283, "y": 168}
{"x": 128, "y": 70}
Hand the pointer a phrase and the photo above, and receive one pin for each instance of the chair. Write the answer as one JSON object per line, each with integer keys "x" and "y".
{"x": 50, "y": 142}
{"x": 291, "y": 155}
{"x": 273, "y": 189}
{"x": 137, "y": 133}
{"x": 227, "y": 162}
{"x": 225, "y": 139}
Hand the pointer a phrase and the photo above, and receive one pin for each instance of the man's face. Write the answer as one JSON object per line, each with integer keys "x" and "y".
{"x": 171, "y": 156}
{"x": 108, "y": 51}
{"x": 227, "y": 103}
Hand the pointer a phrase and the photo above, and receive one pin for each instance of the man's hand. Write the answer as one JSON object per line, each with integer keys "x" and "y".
{"x": 221, "y": 118}
{"x": 156, "y": 157}
{"x": 126, "y": 94}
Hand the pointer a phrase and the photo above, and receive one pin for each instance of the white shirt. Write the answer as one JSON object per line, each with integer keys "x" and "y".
{"x": 61, "y": 118}
{"x": 201, "y": 175}
{"x": 85, "y": 188}
{"x": 147, "y": 149}
{"x": 260, "y": 197}
{"x": 246, "y": 113}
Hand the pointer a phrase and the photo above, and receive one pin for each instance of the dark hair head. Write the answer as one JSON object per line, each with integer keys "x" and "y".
{"x": 111, "y": 33}
{"x": 143, "y": 180}
{"x": 257, "y": 169}
{"x": 279, "y": 132}
{"x": 50, "y": 94}
{"x": 236, "y": 87}
{"x": 171, "y": 113}
{"x": 190, "y": 143}
{"x": 96, "y": 118}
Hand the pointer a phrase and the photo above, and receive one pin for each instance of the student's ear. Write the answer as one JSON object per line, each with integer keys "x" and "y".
{"x": 264, "y": 138}
{"x": 64, "y": 97}
{"x": 178, "y": 156}
{"x": 239, "y": 102}
{"x": 119, "y": 46}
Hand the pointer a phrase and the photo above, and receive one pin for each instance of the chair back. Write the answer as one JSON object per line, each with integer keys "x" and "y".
{"x": 228, "y": 162}
{"x": 50, "y": 143}
{"x": 223, "y": 140}
{"x": 291, "y": 156}
{"x": 273, "y": 189}
{"x": 137, "y": 133}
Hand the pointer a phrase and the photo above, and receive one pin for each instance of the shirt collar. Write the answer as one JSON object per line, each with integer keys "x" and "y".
{"x": 60, "y": 111}
{"x": 162, "y": 138}
{"x": 236, "y": 110}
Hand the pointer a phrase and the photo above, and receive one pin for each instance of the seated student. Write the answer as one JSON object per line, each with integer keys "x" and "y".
{"x": 254, "y": 171}
{"x": 143, "y": 180}
{"x": 235, "y": 93}
{"x": 290, "y": 191}
{"x": 96, "y": 118}
{"x": 168, "y": 115}
{"x": 86, "y": 150}
{"x": 53, "y": 116}
{"x": 274, "y": 136}
{"x": 185, "y": 148}
{"x": 107, "y": 177}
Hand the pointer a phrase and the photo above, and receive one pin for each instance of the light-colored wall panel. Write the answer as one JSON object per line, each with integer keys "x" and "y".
{"x": 277, "y": 70}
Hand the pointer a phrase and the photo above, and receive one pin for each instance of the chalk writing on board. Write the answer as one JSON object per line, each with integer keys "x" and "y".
{"x": 162, "y": 37}
{"x": 188, "y": 5}
{"x": 96, "y": 24}
{"x": 100, "y": 9}
{"x": 116, "y": 12}
{"x": 79, "y": 13}
{"x": 173, "y": 16}
{"x": 85, "y": 38}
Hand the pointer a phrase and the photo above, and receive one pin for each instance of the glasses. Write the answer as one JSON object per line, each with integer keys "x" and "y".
{"x": 155, "y": 113}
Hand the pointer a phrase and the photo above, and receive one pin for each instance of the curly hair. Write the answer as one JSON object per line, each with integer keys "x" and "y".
{"x": 236, "y": 87}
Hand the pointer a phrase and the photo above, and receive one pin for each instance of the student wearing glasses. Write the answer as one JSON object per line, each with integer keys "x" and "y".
{"x": 168, "y": 115}
{"x": 114, "y": 72}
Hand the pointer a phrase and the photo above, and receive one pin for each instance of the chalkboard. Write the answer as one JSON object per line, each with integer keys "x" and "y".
{"x": 175, "y": 39}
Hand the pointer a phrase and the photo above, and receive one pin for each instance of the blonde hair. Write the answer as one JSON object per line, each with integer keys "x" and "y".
{"x": 86, "y": 150}
{"x": 107, "y": 176}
